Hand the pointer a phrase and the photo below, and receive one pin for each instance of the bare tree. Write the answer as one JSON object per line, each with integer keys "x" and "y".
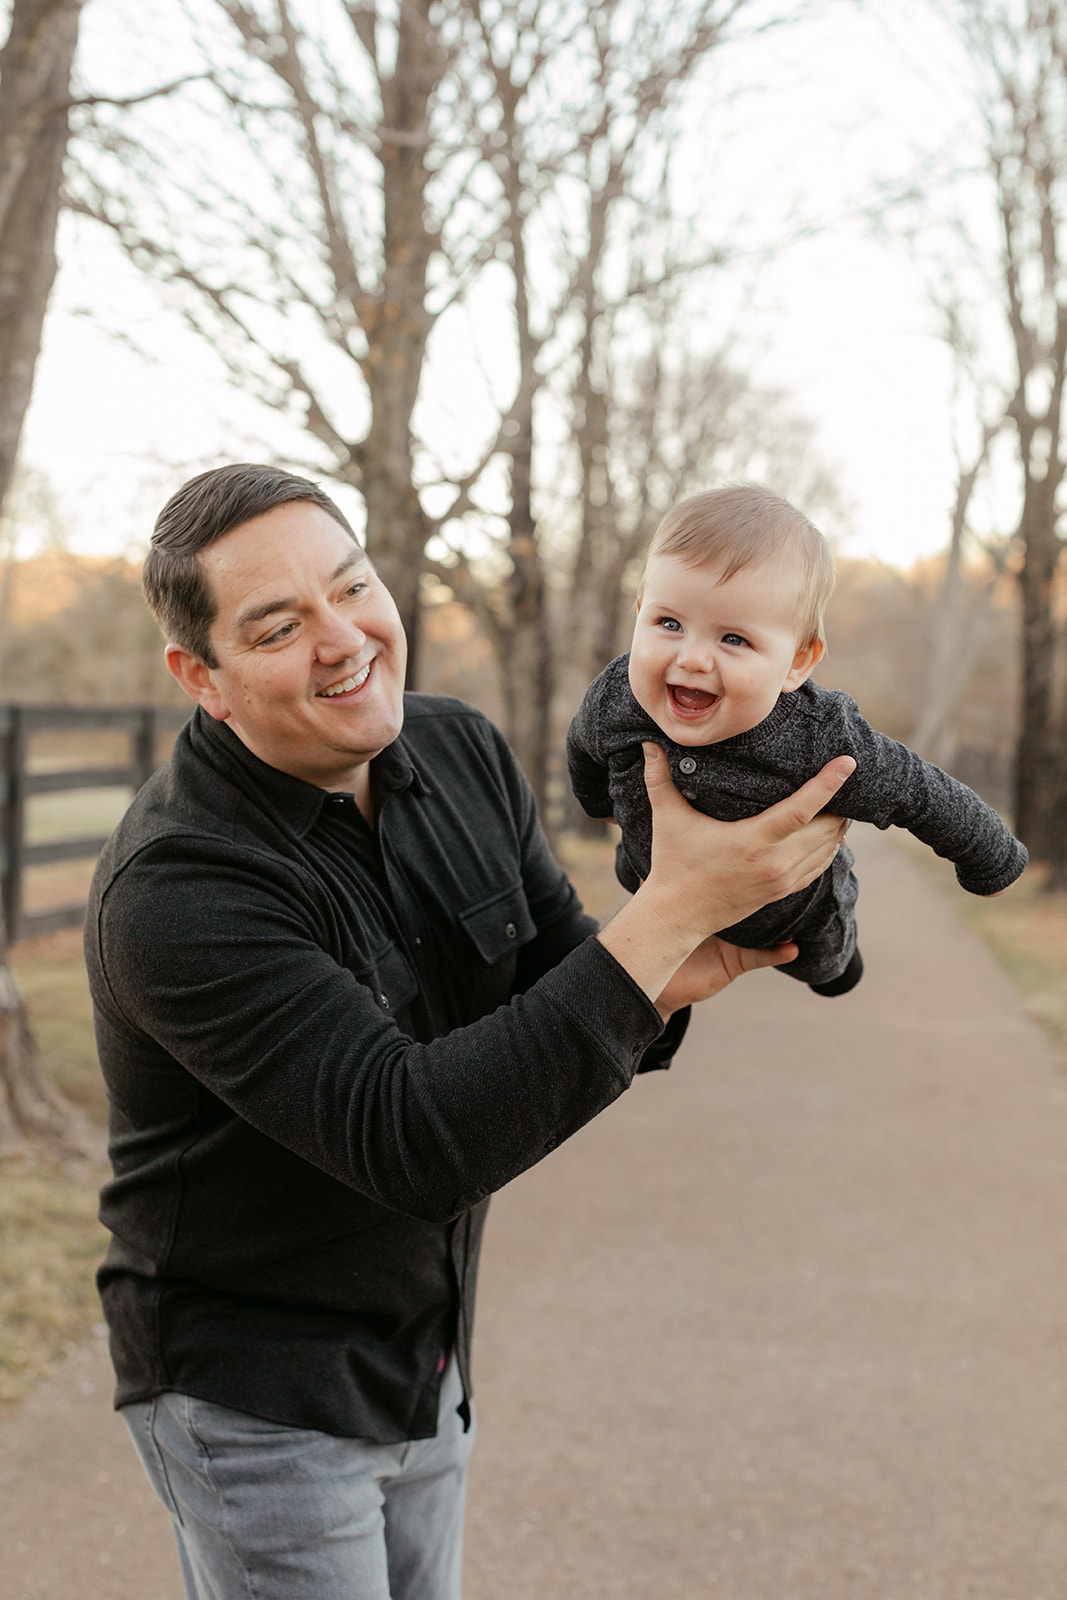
{"x": 579, "y": 134}
{"x": 388, "y": 160}
{"x": 981, "y": 415}
{"x": 1020, "y": 54}
{"x": 35, "y": 70}
{"x": 955, "y": 622}
{"x": 678, "y": 421}
{"x": 317, "y": 259}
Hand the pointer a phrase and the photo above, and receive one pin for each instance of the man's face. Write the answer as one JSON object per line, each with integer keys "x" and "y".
{"x": 309, "y": 644}
{"x": 710, "y": 656}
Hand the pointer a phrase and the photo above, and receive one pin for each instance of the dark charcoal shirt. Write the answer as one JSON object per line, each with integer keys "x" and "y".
{"x": 891, "y": 787}
{"x": 324, "y": 1046}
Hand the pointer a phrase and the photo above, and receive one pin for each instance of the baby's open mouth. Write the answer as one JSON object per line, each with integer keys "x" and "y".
{"x": 685, "y": 699}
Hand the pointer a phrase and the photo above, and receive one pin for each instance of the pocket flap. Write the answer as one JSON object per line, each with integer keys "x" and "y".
{"x": 498, "y": 927}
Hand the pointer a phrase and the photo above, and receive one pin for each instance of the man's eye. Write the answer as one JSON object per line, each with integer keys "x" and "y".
{"x": 356, "y": 588}
{"x": 733, "y": 638}
{"x": 280, "y": 633}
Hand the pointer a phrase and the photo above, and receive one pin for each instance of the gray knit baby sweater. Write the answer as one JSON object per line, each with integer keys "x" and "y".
{"x": 891, "y": 787}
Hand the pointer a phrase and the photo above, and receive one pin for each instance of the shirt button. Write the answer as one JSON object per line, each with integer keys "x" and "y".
{"x": 687, "y": 765}
{"x": 383, "y": 1000}
{"x": 511, "y": 930}
{"x": 418, "y": 941}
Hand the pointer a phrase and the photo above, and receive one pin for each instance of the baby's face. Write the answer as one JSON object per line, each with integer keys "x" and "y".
{"x": 710, "y": 657}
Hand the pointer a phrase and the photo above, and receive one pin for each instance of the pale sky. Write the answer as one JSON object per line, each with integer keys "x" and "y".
{"x": 829, "y": 109}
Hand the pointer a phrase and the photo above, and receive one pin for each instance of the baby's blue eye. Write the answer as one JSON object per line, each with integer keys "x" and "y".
{"x": 671, "y": 624}
{"x": 733, "y": 638}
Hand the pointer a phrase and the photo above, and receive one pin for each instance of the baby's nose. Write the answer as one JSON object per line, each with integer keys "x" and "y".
{"x": 696, "y": 656}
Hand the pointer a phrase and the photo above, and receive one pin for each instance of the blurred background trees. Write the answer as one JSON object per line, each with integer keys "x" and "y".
{"x": 366, "y": 198}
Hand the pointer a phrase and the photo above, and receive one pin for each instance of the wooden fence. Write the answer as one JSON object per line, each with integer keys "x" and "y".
{"x": 144, "y": 726}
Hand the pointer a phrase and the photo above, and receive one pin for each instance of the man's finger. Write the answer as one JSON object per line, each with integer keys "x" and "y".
{"x": 777, "y": 956}
{"x": 658, "y": 781}
{"x": 814, "y": 796}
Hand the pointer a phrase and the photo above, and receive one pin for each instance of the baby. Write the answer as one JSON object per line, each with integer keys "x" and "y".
{"x": 729, "y": 628}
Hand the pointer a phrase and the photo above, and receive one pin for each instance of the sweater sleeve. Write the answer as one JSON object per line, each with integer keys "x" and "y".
{"x": 894, "y": 787}
{"x": 209, "y": 963}
{"x": 588, "y": 770}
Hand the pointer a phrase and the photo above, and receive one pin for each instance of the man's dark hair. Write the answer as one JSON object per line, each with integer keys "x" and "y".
{"x": 201, "y": 511}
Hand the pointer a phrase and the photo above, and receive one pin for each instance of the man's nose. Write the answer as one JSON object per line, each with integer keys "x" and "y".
{"x": 337, "y": 637}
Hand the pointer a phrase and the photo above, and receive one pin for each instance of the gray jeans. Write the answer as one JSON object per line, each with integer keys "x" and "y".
{"x": 267, "y": 1512}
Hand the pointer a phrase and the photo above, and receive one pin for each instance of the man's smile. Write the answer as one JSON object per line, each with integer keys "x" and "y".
{"x": 346, "y": 685}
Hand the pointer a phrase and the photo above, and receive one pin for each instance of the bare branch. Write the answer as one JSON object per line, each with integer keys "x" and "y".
{"x": 124, "y": 102}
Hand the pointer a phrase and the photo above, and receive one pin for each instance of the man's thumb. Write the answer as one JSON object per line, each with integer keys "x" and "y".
{"x": 657, "y": 772}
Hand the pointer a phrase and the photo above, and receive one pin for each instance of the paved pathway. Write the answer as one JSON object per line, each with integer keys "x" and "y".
{"x": 787, "y": 1323}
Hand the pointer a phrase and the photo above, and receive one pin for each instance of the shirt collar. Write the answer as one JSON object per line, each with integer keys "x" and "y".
{"x": 292, "y": 801}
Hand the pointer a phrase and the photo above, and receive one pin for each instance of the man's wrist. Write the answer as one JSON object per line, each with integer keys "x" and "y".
{"x": 649, "y": 941}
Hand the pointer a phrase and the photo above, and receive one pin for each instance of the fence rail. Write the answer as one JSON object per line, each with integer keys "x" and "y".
{"x": 144, "y": 726}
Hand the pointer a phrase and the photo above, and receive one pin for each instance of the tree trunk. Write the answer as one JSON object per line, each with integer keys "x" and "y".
{"x": 1036, "y": 763}
{"x": 35, "y": 67}
{"x": 398, "y": 325}
{"x": 1056, "y": 853}
{"x": 529, "y": 673}
{"x": 952, "y": 634}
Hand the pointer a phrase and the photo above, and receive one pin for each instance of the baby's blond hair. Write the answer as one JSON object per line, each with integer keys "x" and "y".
{"x": 741, "y": 526}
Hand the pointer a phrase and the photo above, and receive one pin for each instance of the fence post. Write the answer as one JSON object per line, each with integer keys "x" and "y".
{"x": 12, "y": 817}
{"x": 144, "y": 746}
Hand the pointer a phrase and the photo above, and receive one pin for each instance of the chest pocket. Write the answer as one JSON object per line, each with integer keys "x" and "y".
{"x": 497, "y": 929}
{"x": 390, "y": 979}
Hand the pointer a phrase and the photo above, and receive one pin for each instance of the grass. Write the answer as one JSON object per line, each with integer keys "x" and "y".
{"x": 50, "y": 1244}
{"x": 50, "y": 1241}
{"x": 52, "y": 975}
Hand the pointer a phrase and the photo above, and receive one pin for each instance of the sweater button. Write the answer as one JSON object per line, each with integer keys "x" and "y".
{"x": 687, "y": 765}
{"x": 383, "y": 1000}
{"x": 511, "y": 930}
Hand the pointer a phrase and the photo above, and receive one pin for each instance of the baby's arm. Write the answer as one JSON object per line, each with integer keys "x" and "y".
{"x": 588, "y": 774}
{"x": 893, "y": 787}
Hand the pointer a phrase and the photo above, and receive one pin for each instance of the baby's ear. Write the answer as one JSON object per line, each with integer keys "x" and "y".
{"x": 804, "y": 663}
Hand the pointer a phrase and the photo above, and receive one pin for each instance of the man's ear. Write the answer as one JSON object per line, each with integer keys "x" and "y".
{"x": 804, "y": 663}
{"x": 197, "y": 680}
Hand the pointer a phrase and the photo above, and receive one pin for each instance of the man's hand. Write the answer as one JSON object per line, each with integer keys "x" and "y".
{"x": 711, "y": 967}
{"x": 708, "y": 874}
{"x": 709, "y": 868}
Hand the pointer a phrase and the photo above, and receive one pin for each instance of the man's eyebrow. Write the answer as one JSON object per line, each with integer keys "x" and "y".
{"x": 253, "y": 614}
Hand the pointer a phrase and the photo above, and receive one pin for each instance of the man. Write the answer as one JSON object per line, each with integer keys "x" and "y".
{"x": 342, "y": 993}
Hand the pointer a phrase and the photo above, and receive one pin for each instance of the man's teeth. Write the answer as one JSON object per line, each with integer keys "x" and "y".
{"x": 348, "y": 685}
